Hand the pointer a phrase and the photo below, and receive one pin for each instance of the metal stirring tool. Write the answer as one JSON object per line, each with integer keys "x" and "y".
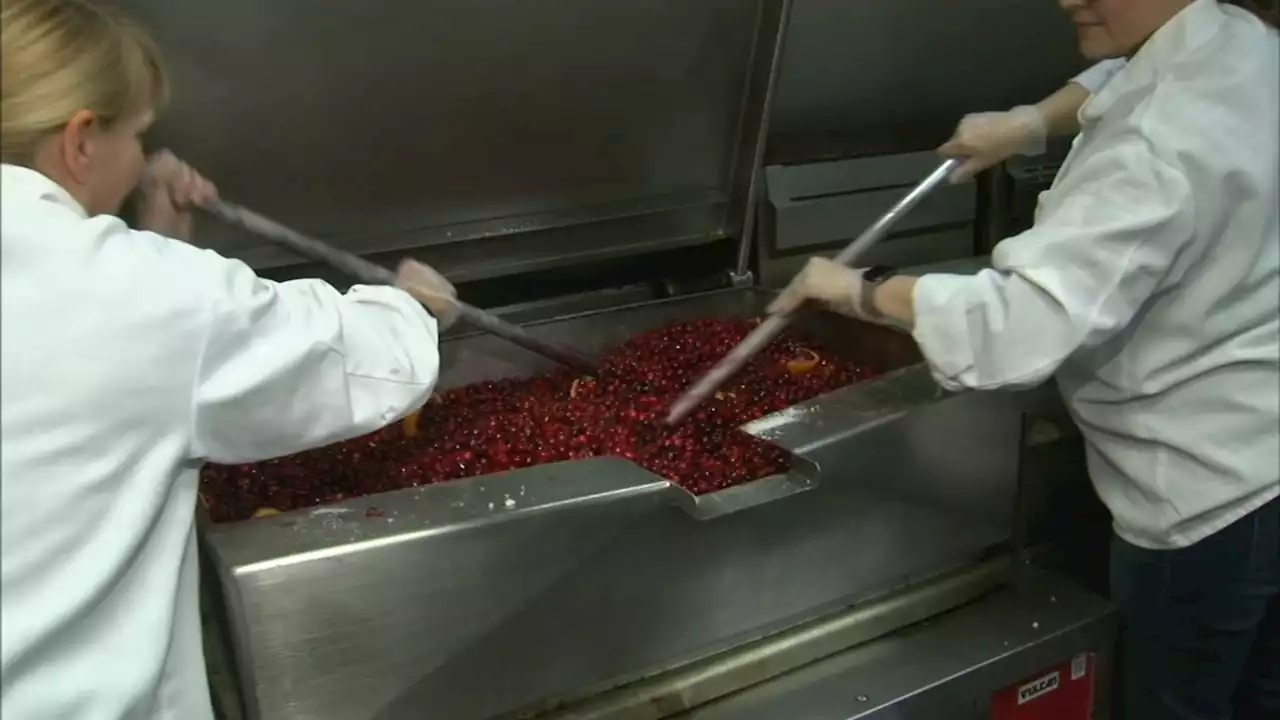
{"x": 767, "y": 330}
{"x": 375, "y": 274}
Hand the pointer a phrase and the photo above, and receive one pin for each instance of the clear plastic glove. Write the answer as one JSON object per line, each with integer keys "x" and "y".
{"x": 170, "y": 188}
{"x": 429, "y": 288}
{"x": 986, "y": 139}
{"x": 825, "y": 281}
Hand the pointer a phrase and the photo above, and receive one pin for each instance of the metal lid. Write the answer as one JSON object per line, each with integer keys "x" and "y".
{"x": 501, "y": 136}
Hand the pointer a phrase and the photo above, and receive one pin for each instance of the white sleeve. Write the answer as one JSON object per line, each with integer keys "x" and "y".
{"x": 291, "y": 366}
{"x": 1096, "y": 76}
{"x": 1110, "y": 238}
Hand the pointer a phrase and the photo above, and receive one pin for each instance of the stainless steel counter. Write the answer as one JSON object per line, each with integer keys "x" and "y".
{"x": 523, "y": 590}
{"x": 499, "y": 138}
{"x": 863, "y": 664}
{"x": 946, "y": 668}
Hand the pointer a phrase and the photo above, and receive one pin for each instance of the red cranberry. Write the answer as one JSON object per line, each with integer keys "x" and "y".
{"x": 499, "y": 425}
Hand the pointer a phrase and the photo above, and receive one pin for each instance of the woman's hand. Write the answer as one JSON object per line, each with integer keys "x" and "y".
{"x": 827, "y": 282}
{"x": 847, "y": 291}
{"x": 429, "y": 288}
{"x": 986, "y": 139}
{"x": 170, "y": 188}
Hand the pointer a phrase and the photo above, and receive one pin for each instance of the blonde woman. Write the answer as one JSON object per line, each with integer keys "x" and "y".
{"x": 129, "y": 358}
{"x": 1149, "y": 287}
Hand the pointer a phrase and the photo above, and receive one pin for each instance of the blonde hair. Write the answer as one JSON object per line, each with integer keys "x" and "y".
{"x": 58, "y": 57}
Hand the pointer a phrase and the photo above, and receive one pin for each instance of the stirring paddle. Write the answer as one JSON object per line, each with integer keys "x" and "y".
{"x": 767, "y": 330}
{"x": 374, "y": 274}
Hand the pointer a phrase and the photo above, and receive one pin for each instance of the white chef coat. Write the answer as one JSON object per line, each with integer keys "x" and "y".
{"x": 1099, "y": 74}
{"x": 1150, "y": 284}
{"x": 128, "y": 358}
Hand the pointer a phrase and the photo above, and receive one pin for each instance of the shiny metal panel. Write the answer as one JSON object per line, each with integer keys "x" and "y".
{"x": 896, "y": 76}
{"x": 816, "y": 208}
{"x": 748, "y": 165}
{"x": 515, "y": 591}
{"x": 869, "y": 429}
{"x": 928, "y": 247}
{"x": 813, "y": 209}
{"x": 490, "y": 131}
{"x": 469, "y": 624}
{"x": 721, "y": 675}
{"x": 832, "y": 202}
{"x": 947, "y": 667}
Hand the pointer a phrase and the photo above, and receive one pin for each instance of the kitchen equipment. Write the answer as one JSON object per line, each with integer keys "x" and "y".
{"x": 767, "y": 330}
{"x": 368, "y": 272}
{"x": 518, "y": 591}
{"x": 510, "y": 140}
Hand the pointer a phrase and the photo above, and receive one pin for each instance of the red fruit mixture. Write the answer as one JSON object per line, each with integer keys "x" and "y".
{"x": 494, "y": 426}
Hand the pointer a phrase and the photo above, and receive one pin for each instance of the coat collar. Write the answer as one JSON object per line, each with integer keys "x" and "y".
{"x": 1185, "y": 31}
{"x": 23, "y": 183}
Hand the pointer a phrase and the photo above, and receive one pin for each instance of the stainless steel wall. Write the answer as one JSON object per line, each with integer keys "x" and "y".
{"x": 890, "y": 76}
{"x": 589, "y": 129}
{"x": 455, "y": 124}
{"x": 880, "y": 84}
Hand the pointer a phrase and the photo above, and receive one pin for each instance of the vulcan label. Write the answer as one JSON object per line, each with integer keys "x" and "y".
{"x": 1036, "y": 688}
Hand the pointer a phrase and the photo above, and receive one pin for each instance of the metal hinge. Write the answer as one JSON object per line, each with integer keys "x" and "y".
{"x": 719, "y": 281}
{"x": 746, "y": 279}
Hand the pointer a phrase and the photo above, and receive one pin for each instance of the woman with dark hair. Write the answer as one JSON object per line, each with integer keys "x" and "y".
{"x": 1149, "y": 286}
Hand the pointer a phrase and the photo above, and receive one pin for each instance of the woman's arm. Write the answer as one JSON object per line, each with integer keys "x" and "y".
{"x": 987, "y": 139}
{"x": 290, "y": 366}
{"x": 1076, "y": 278}
{"x": 1060, "y": 111}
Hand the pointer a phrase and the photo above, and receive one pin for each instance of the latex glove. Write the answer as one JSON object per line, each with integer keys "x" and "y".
{"x": 170, "y": 188}
{"x": 827, "y": 282}
{"x": 989, "y": 138}
{"x": 429, "y": 288}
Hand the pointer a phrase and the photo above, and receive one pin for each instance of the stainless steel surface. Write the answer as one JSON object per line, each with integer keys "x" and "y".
{"x": 268, "y": 229}
{"x": 927, "y": 247}
{"x": 480, "y": 597}
{"x": 829, "y": 202}
{"x": 765, "y": 332}
{"x": 355, "y": 124}
{"x": 368, "y": 272}
{"x": 749, "y": 168}
{"x": 897, "y": 76}
{"x": 815, "y": 208}
{"x": 881, "y": 227}
{"x": 493, "y": 136}
{"x": 946, "y": 668}
{"x": 721, "y": 675}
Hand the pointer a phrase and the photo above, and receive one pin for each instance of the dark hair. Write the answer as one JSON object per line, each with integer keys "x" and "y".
{"x": 1266, "y": 10}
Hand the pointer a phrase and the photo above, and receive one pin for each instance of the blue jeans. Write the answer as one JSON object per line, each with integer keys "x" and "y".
{"x": 1201, "y": 638}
